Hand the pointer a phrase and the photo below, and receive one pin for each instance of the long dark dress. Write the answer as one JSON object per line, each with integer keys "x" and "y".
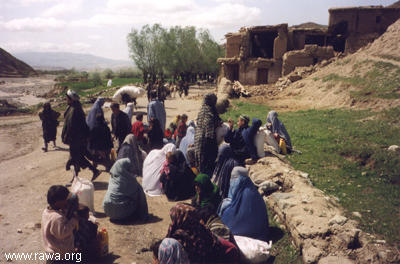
{"x": 75, "y": 134}
{"x": 205, "y": 142}
{"x": 178, "y": 184}
{"x": 223, "y": 169}
{"x": 155, "y": 135}
{"x": 49, "y": 124}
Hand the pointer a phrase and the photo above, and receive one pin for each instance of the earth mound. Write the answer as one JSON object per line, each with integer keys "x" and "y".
{"x": 13, "y": 67}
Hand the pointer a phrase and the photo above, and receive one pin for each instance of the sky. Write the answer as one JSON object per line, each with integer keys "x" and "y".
{"x": 100, "y": 27}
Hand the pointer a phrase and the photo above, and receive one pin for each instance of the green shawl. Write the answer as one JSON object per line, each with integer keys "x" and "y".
{"x": 209, "y": 191}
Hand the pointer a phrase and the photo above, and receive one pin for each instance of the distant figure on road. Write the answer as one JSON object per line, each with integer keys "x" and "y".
{"x": 49, "y": 124}
{"x": 156, "y": 110}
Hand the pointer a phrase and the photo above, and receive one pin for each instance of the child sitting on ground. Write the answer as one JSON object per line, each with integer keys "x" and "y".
{"x": 85, "y": 236}
{"x": 58, "y": 223}
{"x": 181, "y": 129}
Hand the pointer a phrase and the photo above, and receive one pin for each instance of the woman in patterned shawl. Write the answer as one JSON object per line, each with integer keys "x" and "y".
{"x": 205, "y": 143}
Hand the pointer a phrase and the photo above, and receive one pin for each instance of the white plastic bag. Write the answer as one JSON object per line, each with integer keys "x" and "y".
{"x": 221, "y": 132}
{"x": 84, "y": 189}
{"x": 109, "y": 83}
{"x": 270, "y": 140}
{"x": 253, "y": 250}
{"x": 132, "y": 91}
{"x": 259, "y": 143}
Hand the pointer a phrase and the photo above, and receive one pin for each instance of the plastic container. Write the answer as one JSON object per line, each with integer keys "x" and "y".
{"x": 84, "y": 189}
{"x": 102, "y": 238}
{"x": 113, "y": 155}
{"x": 259, "y": 143}
{"x": 282, "y": 146}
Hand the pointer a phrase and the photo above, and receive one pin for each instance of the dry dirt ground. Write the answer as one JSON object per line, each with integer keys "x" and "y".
{"x": 26, "y": 172}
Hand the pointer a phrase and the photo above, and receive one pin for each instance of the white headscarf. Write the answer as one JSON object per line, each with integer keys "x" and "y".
{"x": 129, "y": 110}
{"x": 72, "y": 95}
{"x": 152, "y": 166}
{"x": 187, "y": 140}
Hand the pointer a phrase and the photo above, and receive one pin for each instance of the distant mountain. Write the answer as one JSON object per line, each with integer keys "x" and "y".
{"x": 13, "y": 67}
{"x": 67, "y": 60}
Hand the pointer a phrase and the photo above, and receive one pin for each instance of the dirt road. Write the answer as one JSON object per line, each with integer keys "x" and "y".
{"x": 26, "y": 173}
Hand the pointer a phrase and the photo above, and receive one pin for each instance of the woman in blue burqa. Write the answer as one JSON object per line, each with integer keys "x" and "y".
{"x": 244, "y": 211}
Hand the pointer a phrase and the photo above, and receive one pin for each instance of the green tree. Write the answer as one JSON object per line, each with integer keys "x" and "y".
{"x": 108, "y": 74}
{"x": 177, "y": 51}
{"x": 145, "y": 48}
{"x": 96, "y": 79}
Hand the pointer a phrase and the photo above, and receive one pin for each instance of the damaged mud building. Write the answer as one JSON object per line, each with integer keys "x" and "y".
{"x": 262, "y": 54}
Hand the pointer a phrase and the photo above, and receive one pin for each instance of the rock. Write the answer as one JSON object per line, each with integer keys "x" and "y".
{"x": 269, "y": 186}
{"x": 394, "y": 148}
{"x": 311, "y": 254}
{"x": 381, "y": 241}
{"x": 294, "y": 77}
{"x": 304, "y": 175}
{"x": 282, "y": 201}
{"x": 19, "y": 230}
{"x": 33, "y": 225}
{"x": 356, "y": 214}
{"x": 334, "y": 260}
{"x": 337, "y": 219}
{"x": 364, "y": 173}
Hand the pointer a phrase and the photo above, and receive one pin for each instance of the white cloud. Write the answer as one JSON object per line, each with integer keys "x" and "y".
{"x": 32, "y": 2}
{"x": 173, "y": 12}
{"x": 33, "y": 24}
{"x": 150, "y": 6}
{"x": 95, "y": 37}
{"x": 62, "y": 8}
{"x": 21, "y": 46}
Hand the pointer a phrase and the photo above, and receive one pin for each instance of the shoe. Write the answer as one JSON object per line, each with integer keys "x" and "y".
{"x": 44, "y": 149}
{"x": 96, "y": 174}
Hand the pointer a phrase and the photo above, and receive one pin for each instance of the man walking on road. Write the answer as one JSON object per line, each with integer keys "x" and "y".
{"x": 75, "y": 133}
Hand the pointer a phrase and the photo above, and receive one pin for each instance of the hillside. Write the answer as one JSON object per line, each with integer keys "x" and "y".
{"x": 13, "y": 67}
{"x": 367, "y": 79}
{"x": 66, "y": 60}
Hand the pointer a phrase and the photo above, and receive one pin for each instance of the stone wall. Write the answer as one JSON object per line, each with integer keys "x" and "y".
{"x": 315, "y": 221}
{"x": 310, "y": 55}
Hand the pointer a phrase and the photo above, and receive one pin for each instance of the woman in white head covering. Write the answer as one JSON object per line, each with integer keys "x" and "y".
{"x": 152, "y": 167}
{"x": 187, "y": 140}
{"x": 94, "y": 111}
{"x": 129, "y": 110}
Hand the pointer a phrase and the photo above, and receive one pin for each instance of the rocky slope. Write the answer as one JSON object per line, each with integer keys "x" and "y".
{"x": 13, "y": 67}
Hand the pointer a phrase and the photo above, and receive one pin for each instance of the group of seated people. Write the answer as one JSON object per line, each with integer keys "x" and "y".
{"x": 224, "y": 203}
{"x": 204, "y": 231}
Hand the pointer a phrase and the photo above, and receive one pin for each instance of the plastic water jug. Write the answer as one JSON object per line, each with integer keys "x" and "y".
{"x": 282, "y": 146}
{"x": 113, "y": 155}
{"x": 84, "y": 189}
{"x": 259, "y": 143}
{"x": 102, "y": 238}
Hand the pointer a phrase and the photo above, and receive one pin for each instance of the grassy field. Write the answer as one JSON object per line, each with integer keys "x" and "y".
{"x": 282, "y": 250}
{"x": 345, "y": 153}
{"x": 381, "y": 80}
{"x": 88, "y": 88}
